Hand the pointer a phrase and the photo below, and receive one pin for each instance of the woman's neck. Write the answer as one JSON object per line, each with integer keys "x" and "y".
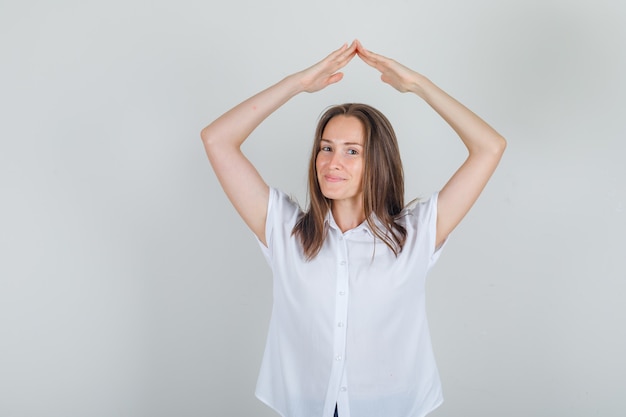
{"x": 348, "y": 214}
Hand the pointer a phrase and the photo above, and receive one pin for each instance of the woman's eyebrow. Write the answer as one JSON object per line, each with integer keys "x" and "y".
{"x": 342, "y": 143}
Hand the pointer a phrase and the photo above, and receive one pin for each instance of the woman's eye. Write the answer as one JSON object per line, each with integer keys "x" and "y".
{"x": 325, "y": 148}
{"x": 352, "y": 152}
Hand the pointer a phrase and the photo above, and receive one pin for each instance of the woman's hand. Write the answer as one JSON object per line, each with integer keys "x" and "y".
{"x": 393, "y": 73}
{"x": 324, "y": 73}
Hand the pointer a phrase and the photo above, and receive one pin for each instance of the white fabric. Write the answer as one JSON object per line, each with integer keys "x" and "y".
{"x": 349, "y": 327}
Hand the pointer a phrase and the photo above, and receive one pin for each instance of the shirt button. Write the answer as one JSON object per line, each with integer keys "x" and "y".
{"x": 338, "y": 358}
{"x": 342, "y": 263}
{"x": 340, "y": 324}
{"x": 343, "y": 389}
{"x": 342, "y": 293}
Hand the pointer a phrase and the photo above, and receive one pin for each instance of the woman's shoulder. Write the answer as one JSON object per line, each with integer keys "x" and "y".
{"x": 421, "y": 207}
{"x": 422, "y": 202}
{"x": 283, "y": 204}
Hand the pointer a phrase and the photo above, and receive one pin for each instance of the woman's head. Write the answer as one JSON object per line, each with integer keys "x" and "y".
{"x": 340, "y": 160}
{"x": 381, "y": 182}
{"x": 383, "y": 178}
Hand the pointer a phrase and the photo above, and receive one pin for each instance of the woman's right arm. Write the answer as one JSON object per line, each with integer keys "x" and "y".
{"x": 222, "y": 139}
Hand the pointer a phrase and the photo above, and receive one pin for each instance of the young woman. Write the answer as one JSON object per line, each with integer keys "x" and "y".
{"x": 348, "y": 334}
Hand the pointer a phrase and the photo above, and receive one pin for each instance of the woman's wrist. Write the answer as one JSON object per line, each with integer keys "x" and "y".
{"x": 294, "y": 84}
{"x": 420, "y": 85}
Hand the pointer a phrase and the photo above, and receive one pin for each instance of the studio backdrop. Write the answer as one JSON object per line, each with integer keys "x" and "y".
{"x": 130, "y": 287}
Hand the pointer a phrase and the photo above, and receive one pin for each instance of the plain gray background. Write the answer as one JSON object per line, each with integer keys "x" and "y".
{"x": 130, "y": 287}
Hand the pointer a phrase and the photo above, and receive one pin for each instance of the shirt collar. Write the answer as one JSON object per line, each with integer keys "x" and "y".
{"x": 362, "y": 229}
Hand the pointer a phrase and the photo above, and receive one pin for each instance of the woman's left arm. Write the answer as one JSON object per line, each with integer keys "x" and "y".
{"x": 484, "y": 144}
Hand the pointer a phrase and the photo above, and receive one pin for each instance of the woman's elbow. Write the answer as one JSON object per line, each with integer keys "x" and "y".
{"x": 496, "y": 146}
{"x": 500, "y": 144}
{"x": 211, "y": 138}
{"x": 206, "y": 135}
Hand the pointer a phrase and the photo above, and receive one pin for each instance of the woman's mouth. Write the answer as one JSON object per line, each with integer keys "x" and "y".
{"x": 332, "y": 178}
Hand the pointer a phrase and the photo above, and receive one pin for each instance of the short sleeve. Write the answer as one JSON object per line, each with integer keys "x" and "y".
{"x": 282, "y": 213}
{"x": 425, "y": 213}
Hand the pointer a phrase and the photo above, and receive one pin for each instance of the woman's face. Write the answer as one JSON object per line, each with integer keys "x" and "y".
{"x": 340, "y": 159}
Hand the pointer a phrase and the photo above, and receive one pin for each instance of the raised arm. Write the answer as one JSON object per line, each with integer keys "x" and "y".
{"x": 484, "y": 144}
{"x": 223, "y": 138}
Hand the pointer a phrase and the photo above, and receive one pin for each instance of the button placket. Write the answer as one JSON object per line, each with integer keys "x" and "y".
{"x": 341, "y": 320}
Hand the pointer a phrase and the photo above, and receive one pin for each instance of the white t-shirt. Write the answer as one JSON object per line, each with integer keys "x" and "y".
{"x": 349, "y": 327}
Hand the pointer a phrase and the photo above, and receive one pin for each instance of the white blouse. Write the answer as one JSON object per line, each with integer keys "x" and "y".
{"x": 349, "y": 327}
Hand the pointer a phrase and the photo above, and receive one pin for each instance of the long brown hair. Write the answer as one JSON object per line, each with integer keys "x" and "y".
{"x": 383, "y": 182}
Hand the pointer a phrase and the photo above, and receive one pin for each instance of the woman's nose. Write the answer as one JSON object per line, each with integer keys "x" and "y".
{"x": 335, "y": 160}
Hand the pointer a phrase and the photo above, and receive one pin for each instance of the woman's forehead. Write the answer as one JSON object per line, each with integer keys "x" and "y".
{"x": 345, "y": 130}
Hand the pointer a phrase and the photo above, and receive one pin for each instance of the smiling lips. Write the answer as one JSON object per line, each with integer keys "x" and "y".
{"x": 331, "y": 178}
